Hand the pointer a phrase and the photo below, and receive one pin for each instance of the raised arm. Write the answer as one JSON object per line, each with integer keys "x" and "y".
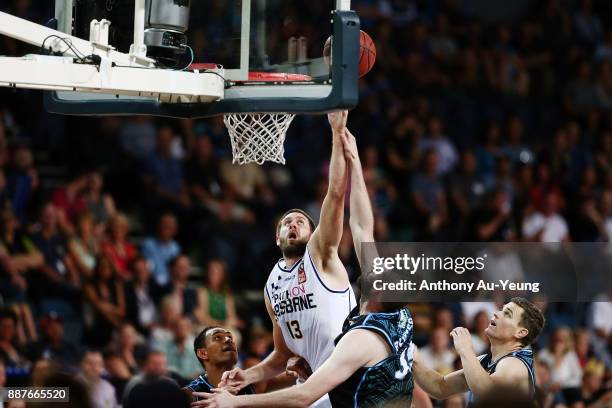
{"x": 339, "y": 366}
{"x": 326, "y": 238}
{"x": 269, "y": 368}
{"x": 435, "y": 384}
{"x": 362, "y": 218}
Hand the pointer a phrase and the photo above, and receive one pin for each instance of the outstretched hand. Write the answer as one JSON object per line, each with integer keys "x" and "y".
{"x": 462, "y": 340}
{"x": 351, "y": 154}
{"x": 235, "y": 378}
{"x": 217, "y": 399}
{"x": 337, "y": 120}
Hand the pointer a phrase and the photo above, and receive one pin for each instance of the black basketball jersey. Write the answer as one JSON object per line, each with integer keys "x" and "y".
{"x": 388, "y": 383}
{"x": 525, "y": 355}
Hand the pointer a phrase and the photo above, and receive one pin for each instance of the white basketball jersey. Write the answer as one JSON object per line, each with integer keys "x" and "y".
{"x": 309, "y": 313}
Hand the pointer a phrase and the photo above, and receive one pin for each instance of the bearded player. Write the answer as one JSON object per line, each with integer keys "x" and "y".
{"x": 370, "y": 366}
{"x": 307, "y": 295}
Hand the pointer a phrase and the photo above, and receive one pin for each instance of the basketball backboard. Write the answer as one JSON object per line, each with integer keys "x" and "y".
{"x": 241, "y": 37}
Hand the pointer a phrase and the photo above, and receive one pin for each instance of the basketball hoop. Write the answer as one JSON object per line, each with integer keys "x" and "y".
{"x": 260, "y": 136}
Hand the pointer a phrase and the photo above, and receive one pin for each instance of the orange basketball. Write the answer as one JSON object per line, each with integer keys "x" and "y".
{"x": 367, "y": 53}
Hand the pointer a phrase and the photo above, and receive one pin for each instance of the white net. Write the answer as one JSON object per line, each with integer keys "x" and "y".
{"x": 258, "y": 137}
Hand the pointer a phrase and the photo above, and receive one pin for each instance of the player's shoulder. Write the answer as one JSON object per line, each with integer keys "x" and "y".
{"x": 199, "y": 384}
{"x": 394, "y": 327}
{"x": 512, "y": 366}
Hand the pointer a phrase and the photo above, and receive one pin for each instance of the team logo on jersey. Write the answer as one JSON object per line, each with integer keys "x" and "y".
{"x": 275, "y": 286}
{"x": 301, "y": 273}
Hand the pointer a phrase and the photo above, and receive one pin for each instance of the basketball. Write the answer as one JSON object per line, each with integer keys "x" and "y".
{"x": 367, "y": 53}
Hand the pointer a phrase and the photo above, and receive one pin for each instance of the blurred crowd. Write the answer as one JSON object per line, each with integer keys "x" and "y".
{"x": 123, "y": 237}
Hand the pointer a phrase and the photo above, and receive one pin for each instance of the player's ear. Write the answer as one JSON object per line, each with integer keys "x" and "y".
{"x": 202, "y": 354}
{"x": 521, "y": 333}
{"x": 277, "y": 240}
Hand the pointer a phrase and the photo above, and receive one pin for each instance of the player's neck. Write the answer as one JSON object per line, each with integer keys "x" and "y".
{"x": 500, "y": 349}
{"x": 289, "y": 262}
{"x": 214, "y": 373}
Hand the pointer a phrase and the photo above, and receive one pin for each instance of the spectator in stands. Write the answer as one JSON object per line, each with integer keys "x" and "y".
{"x": 84, "y": 246}
{"x": 61, "y": 277}
{"x": 152, "y": 388}
{"x": 548, "y": 225}
{"x": 105, "y": 298}
{"x": 479, "y": 339}
{"x": 69, "y": 202}
{"x": 493, "y": 223}
{"x": 164, "y": 173}
{"x": 429, "y": 197}
{"x": 466, "y": 187}
{"x": 545, "y": 184}
{"x": 53, "y": 346}
{"x": 141, "y": 295}
{"x": 515, "y": 149}
{"x": 566, "y": 373}
{"x": 100, "y": 205}
{"x": 216, "y": 305}
{"x": 402, "y": 150}
{"x": 444, "y": 319}
{"x": 487, "y": 153}
{"x": 594, "y": 392}
{"x": 128, "y": 346}
{"x": 438, "y": 142}
{"x": 137, "y": 137}
{"x": 544, "y": 388}
{"x": 22, "y": 181}
{"x": 18, "y": 257}
{"x": 437, "y": 353}
{"x": 178, "y": 350}
{"x": 170, "y": 311}
{"x": 208, "y": 188}
{"x": 15, "y": 363}
{"x": 101, "y": 392}
{"x": 118, "y": 247}
{"x": 180, "y": 268}
{"x": 581, "y": 93}
{"x": 582, "y": 346}
{"x": 118, "y": 373}
{"x": 160, "y": 250}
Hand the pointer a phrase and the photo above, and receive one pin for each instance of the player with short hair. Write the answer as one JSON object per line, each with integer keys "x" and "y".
{"x": 505, "y": 373}
{"x": 308, "y": 295}
{"x": 215, "y": 349}
{"x": 370, "y": 365}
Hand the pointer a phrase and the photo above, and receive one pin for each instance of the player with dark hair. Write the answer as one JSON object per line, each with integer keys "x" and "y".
{"x": 504, "y": 376}
{"x": 308, "y": 295}
{"x": 215, "y": 349}
{"x": 370, "y": 365}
